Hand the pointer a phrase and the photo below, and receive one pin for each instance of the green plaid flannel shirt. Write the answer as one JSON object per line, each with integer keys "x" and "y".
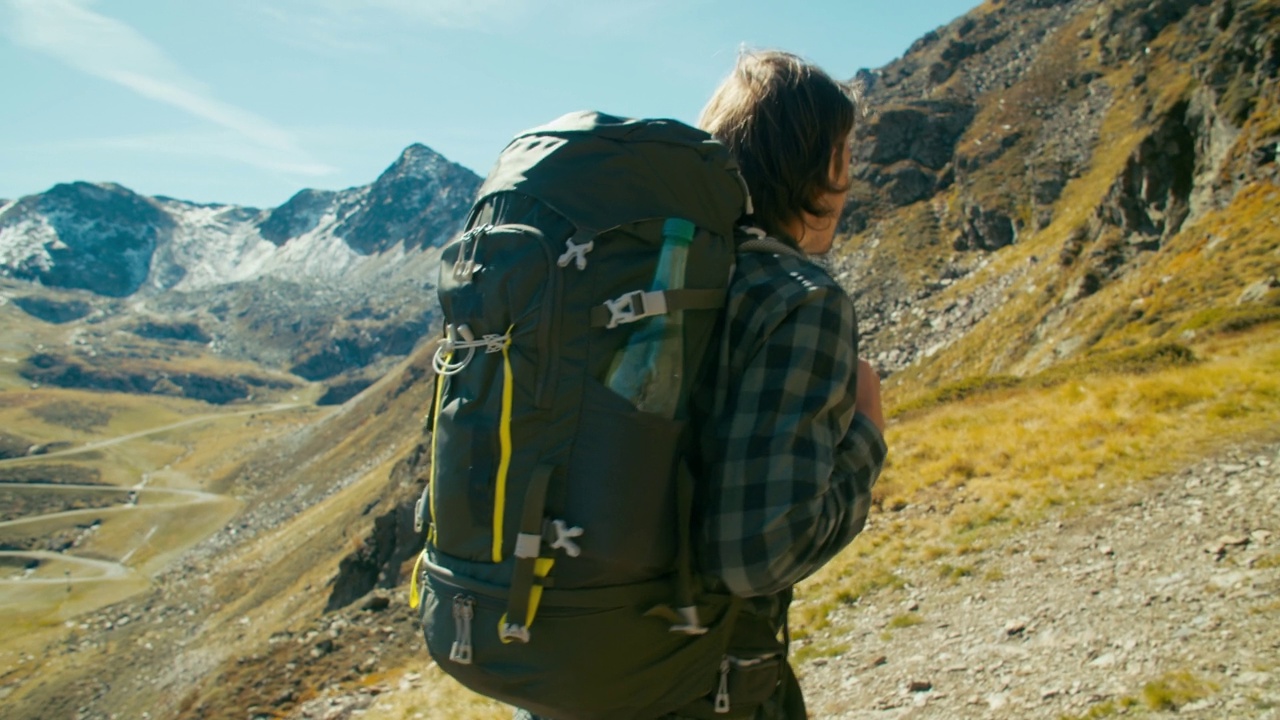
{"x": 786, "y": 465}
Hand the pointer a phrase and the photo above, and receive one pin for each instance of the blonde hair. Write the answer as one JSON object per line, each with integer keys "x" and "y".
{"x": 783, "y": 118}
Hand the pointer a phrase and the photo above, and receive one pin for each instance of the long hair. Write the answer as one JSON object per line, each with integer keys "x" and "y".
{"x": 783, "y": 118}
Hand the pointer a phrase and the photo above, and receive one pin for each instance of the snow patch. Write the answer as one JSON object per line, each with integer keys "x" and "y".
{"x": 24, "y": 244}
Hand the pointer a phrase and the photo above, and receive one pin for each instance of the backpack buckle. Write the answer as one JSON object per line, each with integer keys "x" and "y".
{"x": 635, "y": 306}
{"x": 419, "y": 510}
{"x": 512, "y": 631}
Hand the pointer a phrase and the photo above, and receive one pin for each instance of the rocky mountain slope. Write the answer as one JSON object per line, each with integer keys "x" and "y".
{"x": 1085, "y": 137}
{"x": 328, "y": 283}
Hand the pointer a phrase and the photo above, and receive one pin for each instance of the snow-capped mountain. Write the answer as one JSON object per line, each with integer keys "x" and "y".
{"x": 106, "y": 239}
{"x": 329, "y": 282}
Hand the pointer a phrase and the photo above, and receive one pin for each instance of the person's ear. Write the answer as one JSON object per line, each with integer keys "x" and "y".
{"x": 839, "y": 168}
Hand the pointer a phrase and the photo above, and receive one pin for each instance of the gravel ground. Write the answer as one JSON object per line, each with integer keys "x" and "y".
{"x": 1175, "y": 585}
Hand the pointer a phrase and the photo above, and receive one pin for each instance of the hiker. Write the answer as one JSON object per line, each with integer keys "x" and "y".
{"x": 792, "y": 422}
{"x": 648, "y": 424}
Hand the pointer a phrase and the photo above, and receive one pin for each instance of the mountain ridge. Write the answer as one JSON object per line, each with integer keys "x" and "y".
{"x": 345, "y": 273}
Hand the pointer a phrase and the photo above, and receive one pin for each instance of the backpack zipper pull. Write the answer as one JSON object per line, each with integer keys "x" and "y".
{"x": 722, "y": 693}
{"x": 465, "y": 265}
{"x": 463, "y": 612}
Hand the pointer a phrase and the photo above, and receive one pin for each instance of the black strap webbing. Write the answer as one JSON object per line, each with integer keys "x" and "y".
{"x": 522, "y": 577}
{"x": 684, "y": 551}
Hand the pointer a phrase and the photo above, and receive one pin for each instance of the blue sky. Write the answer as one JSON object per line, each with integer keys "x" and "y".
{"x": 249, "y": 101}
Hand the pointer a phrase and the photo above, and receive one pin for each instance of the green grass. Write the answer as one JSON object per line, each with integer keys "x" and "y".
{"x": 905, "y": 620}
{"x": 1267, "y": 562}
{"x": 1167, "y": 693}
{"x": 1175, "y": 689}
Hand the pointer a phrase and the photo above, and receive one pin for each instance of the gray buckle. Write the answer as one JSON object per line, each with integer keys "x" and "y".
{"x": 512, "y": 631}
{"x": 635, "y": 306}
{"x": 528, "y": 545}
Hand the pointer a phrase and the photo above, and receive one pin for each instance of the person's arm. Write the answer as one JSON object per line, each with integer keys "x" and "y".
{"x": 868, "y": 402}
{"x": 793, "y": 462}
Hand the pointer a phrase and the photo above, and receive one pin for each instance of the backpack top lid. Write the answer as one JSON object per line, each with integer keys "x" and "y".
{"x": 600, "y": 171}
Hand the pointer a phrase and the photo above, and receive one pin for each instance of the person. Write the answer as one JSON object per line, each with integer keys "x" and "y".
{"x": 792, "y": 424}
{"x": 790, "y": 420}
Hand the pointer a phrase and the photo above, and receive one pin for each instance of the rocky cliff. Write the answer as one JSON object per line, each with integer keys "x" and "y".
{"x": 1088, "y": 133}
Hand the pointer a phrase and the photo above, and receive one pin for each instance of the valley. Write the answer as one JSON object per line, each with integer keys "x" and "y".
{"x": 72, "y": 548}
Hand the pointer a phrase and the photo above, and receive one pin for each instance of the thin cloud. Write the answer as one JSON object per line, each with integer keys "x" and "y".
{"x": 220, "y": 144}
{"x": 349, "y": 24}
{"x": 69, "y": 31}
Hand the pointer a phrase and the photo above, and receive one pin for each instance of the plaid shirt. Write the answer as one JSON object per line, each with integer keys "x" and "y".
{"x": 787, "y": 466}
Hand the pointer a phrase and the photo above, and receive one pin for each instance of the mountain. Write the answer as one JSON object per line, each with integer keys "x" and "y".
{"x": 1030, "y": 162}
{"x": 328, "y": 283}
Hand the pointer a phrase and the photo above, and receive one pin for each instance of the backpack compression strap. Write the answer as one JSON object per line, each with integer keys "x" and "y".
{"x": 529, "y": 574}
{"x": 641, "y": 304}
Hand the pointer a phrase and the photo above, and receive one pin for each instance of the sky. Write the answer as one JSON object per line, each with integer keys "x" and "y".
{"x": 250, "y": 101}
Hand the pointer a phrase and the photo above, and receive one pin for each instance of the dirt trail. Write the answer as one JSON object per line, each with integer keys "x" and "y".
{"x": 99, "y": 444}
{"x": 118, "y": 570}
{"x": 105, "y": 569}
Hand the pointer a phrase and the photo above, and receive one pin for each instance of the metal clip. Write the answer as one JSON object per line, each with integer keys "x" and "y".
{"x": 635, "y": 306}
{"x": 455, "y": 337}
{"x": 465, "y": 266}
{"x": 458, "y": 338}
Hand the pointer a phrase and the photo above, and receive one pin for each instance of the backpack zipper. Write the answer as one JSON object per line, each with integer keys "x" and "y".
{"x": 722, "y": 692}
{"x": 464, "y": 610}
{"x": 547, "y": 321}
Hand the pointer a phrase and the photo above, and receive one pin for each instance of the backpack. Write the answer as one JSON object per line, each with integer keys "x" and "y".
{"x": 557, "y": 572}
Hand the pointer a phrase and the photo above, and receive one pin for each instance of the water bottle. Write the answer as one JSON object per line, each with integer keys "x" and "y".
{"x": 649, "y": 369}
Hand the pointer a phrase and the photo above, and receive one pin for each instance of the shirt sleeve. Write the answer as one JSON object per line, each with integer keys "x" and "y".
{"x": 791, "y": 465}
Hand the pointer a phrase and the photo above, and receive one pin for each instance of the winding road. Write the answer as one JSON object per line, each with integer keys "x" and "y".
{"x": 99, "y": 444}
{"x": 94, "y": 569}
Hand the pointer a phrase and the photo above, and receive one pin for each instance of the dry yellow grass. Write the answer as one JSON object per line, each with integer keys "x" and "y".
{"x": 995, "y": 462}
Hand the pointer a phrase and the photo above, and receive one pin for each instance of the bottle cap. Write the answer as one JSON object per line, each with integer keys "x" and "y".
{"x": 678, "y": 228}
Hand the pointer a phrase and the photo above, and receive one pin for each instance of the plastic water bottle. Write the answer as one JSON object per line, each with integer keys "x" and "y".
{"x": 649, "y": 369}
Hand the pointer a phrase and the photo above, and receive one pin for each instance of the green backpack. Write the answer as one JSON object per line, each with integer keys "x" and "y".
{"x": 557, "y": 573}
